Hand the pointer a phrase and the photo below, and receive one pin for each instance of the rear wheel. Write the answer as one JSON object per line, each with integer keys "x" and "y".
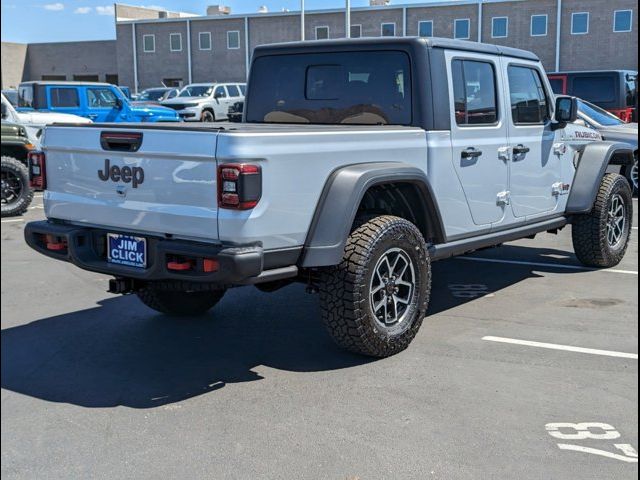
{"x": 177, "y": 302}
{"x": 374, "y": 302}
{"x": 16, "y": 192}
{"x": 601, "y": 238}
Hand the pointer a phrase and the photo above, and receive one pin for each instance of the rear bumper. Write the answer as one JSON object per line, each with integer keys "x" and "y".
{"x": 86, "y": 248}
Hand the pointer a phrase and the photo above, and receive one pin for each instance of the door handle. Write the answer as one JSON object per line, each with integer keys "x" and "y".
{"x": 521, "y": 149}
{"x": 471, "y": 152}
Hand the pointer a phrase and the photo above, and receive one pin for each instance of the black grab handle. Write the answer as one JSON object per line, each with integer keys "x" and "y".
{"x": 121, "y": 141}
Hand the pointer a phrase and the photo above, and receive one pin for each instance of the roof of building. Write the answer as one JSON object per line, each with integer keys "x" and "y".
{"x": 435, "y": 42}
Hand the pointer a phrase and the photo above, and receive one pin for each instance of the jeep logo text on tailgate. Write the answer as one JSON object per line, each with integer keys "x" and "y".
{"x": 133, "y": 175}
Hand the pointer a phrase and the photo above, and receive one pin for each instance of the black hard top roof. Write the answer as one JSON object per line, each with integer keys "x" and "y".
{"x": 433, "y": 42}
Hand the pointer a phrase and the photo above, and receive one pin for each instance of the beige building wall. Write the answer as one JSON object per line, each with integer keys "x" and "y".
{"x": 14, "y": 56}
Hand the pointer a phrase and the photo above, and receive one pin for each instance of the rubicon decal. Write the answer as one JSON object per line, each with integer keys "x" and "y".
{"x": 132, "y": 175}
{"x": 587, "y": 135}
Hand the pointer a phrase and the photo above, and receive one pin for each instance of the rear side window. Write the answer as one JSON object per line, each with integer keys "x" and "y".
{"x": 233, "y": 91}
{"x": 474, "y": 87}
{"x": 64, "y": 97}
{"x": 529, "y": 103}
{"x": 363, "y": 88}
{"x": 25, "y": 96}
{"x": 595, "y": 89}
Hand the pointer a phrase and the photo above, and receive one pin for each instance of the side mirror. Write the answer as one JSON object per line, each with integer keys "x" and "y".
{"x": 566, "y": 110}
{"x": 119, "y": 103}
{"x": 218, "y": 95}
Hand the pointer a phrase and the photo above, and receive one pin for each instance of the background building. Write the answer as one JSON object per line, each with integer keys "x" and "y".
{"x": 155, "y": 46}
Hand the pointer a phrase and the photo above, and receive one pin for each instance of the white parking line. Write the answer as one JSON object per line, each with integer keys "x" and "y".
{"x": 567, "y": 348}
{"x": 547, "y": 265}
{"x": 12, "y": 220}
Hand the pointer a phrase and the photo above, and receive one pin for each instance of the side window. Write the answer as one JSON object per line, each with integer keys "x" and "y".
{"x": 25, "y": 96}
{"x": 243, "y": 89}
{"x": 220, "y": 92}
{"x": 101, "y": 98}
{"x": 474, "y": 87}
{"x": 529, "y": 104}
{"x": 64, "y": 97}
{"x": 233, "y": 90}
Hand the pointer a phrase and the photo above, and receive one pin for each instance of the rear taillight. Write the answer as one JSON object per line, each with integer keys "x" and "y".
{"x": 239, "y": 186}
{"x": 37, "y": 170}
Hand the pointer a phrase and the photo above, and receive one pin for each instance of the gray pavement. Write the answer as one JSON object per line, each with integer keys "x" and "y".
{"x": 99, "y": 386}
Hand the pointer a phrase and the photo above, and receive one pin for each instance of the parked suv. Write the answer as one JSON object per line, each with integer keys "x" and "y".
{"x": 100, "y": 102}
{"x": 614, "y": 90}
{"x": 206, "y": 102}
{"x": 157, "y": 95}
{"x": 358, "y": 164}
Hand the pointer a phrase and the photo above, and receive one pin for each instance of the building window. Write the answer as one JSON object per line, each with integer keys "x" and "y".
{"x": 499, "y": 27}
{"x": 539, "y": 25}
{"x": 356, "y": 31}
{"x": 149, "y": 43}
{"x": 388, "y": 29}
{"x": 462, "y": 29}
{"x": 425, "y": 28}
{"x": 233, "y": 40}
{"x": 204, "y": 38}
{"x": 580, "y": 23}
{"x": 175, "y": 42}
{"x": 322, "y": 33}
{"x": 622, "y": 20}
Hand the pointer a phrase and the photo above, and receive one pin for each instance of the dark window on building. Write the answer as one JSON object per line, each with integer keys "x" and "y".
{"x": 172, "y": 82}
{"x": 622, "y": 20}
{"x": 356, "y": 31}
{"x": 54, "y": 78}
{"x": 529, "y": 104}
{"x": 474, "y": 87}
{"x": 101, "y": 98}
{"x": 175, "y": 42}
{"x": 233, "y": 90}
{"x": 595, "y": 89}
{"x": 499, "y": 27}
{"x": 579, "y": 23}
{"x": 111, "y": 78}
{"x": 539, "y": 25}
{"x": 425, "y": 28}
{"x": 149, "y": 43}
{"x": 86, "y": 78}
{"x": 322, "y": 33}
{"x": 388, "y": 29}
{"x": 363, "y": 88}
{"x": 64, "y": 97}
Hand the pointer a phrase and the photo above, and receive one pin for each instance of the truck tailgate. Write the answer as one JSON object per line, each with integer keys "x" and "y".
{"x": 166, "y": 185}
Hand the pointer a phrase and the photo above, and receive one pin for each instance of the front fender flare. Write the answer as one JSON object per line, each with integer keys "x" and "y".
{"x": 339, "y": 202}
{"x": 594, "y": 161}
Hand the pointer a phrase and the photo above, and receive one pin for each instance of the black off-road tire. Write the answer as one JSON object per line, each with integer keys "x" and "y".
{"x": 17, "y": 172}
{"x": 345, "y": 289}
{"x": 589, "y": 231}
{"x": 179, "y": 302}
{"x": 631, "y": 173}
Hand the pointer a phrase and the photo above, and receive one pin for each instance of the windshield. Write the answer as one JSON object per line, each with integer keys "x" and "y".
{"x": 598, "y": 115}
{"x": 196, "y": 91}
{"x": 151, "y": 95}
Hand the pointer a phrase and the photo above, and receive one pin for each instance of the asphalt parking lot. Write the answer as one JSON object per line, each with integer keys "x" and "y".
{"x": 526, "y": 368}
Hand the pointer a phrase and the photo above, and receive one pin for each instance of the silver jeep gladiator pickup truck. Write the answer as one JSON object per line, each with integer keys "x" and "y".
{"x": 358, "y": 163}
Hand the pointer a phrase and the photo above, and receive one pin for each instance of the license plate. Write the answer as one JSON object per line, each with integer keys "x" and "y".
{"x": 127, "y": 250}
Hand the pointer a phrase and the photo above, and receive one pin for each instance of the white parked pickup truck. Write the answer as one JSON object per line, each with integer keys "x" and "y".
{"x": 358, "y": 164}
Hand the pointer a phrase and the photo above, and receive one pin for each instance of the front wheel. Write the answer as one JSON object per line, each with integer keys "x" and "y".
{"x": 16, "y": 192}
{"x": 374, "y": 301}
{"x": 179, "y": 302}
{"x": 207, "y": 117}
{"x": 601, "y": 238}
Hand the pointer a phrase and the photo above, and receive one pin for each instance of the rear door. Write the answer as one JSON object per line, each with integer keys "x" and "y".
{"x": 158, "y": 181}
{"x": 478, "y": 133}
{"x": 535, "y": 167}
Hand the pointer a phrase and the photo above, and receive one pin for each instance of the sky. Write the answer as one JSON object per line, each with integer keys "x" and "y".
{"x": 32, "y": 21}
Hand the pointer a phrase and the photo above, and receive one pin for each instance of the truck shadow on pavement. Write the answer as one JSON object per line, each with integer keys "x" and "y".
{"x": 121, "y": 353}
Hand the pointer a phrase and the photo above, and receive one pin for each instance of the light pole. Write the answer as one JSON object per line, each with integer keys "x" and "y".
{"x": 348, "y": 19}
{"x": 302, "y": 19}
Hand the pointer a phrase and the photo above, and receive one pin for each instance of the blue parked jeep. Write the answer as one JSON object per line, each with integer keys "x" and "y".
{"x": 101, "y": 102}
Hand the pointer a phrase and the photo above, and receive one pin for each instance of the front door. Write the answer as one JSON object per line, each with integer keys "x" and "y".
{"x": 102, "y": 105}
{"x": 479, "y": 134}
{"x": 535, "y": 167}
